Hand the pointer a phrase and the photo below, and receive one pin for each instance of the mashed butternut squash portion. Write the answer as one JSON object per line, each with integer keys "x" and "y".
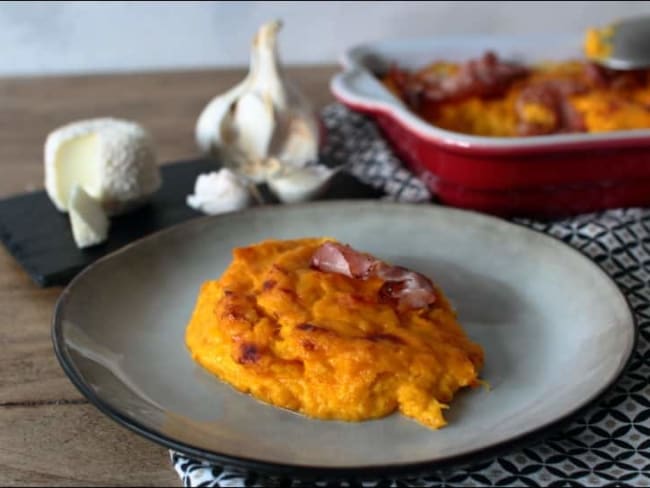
{"x": 324, "y": 344}
{"x": 489, "y": 96}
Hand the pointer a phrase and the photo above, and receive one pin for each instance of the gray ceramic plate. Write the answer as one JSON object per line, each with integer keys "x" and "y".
{"x": 556, "y": 331}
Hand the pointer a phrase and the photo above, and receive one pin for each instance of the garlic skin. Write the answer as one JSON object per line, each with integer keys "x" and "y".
{"x": 219, "y": 192}
{"x": 302, "y": 184}
{"x": 264, "y": 124}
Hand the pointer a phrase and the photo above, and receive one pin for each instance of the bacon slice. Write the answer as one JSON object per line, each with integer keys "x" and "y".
{"x": 337, "y": 258}
{"x": 553, "y": 95}
{"x": 408, "y": 288}
{"x": 484, "y": 76}
{"x": 616, "y": 80}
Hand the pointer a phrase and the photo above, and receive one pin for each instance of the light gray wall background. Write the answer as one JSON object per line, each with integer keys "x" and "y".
{"x": 74, "y": 37}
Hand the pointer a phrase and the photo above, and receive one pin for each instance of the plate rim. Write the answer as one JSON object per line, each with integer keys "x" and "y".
{"x": 468, "y": 458}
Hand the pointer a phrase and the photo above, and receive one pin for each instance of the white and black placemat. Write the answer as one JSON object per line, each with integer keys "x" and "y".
{"x": 610, "y": 444}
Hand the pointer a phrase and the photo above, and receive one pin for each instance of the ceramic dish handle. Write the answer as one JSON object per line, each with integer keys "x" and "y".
{"x": 361, "y": 88}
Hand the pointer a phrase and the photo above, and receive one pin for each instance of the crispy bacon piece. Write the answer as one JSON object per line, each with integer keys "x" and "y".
{"x": 413, "y": 290}
{"x": 595, "y": 74}
{"x": 484, "y": 76}
{"x": 602, "y": 77}
{"x": 337, "y": 258}
{"x": 553, "y": 95}
{"x": 408, "y": 288}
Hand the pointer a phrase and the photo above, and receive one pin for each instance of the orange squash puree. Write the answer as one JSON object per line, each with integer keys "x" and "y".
{"x": 607, "y": 101}
{"x": 598, "y": 42}
{"x": 606, "y": 111}
{"x": 322, "y": 344}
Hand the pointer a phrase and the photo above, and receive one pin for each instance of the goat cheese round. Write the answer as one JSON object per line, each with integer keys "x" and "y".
{"x": 112, "y": 160}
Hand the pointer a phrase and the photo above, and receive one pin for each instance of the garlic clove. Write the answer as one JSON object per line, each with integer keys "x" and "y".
{"x": 254, "y": 122}
{"x": 301, "y": 141}
{"x": 219, "y": 192}
{"x": 302, "y": 184}
{"x": 208, "y": 131}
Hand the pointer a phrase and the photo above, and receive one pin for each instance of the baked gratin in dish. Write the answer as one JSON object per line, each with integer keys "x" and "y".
{"x": 316, "y": 327}
{"x": 490, "y": 96}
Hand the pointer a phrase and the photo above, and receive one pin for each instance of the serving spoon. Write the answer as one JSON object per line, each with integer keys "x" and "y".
{"x": 623, "y": 45}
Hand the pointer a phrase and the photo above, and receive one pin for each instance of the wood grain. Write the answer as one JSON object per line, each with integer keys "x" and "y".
{"x": 165, "y": 103}
{"x": 49, "y": 435}
{"x": 74, "y": 445}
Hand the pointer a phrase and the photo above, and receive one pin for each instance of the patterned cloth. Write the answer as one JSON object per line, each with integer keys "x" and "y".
{"x": 610, "y": 444}
{"x": 354, "y": 141}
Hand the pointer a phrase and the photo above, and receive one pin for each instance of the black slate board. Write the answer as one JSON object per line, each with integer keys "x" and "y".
{"x": 40, "y": 239}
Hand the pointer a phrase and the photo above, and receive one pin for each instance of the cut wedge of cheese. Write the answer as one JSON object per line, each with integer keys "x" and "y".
{"x": 112, "y": 160}
{"x": 87, "y": 218}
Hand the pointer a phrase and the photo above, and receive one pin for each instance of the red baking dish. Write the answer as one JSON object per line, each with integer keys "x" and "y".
{"x": 545, "y": 176}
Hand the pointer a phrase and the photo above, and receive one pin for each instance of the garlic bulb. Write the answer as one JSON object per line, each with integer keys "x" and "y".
{"x": 219, "y": 192}
{"x": 301, "y": 184}
{"x": 263, "y": 124}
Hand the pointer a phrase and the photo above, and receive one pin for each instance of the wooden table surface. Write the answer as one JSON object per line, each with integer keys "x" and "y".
{"x": 49, "y": 434}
